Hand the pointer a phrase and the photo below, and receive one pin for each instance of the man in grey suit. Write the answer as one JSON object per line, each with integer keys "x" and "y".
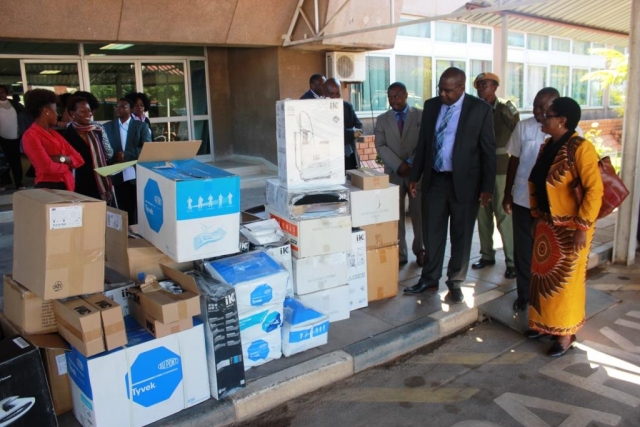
{"x": 126, "y": 137}
{"x": 456, "y": 159}
{"x": 396, "y": 134}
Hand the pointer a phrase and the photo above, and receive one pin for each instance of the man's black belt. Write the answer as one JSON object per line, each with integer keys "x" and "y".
{"x": 446, "y": 174}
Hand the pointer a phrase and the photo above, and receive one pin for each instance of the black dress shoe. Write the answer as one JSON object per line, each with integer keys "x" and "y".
{"x": 482, "y": 264}
{"x": 520, "y": 304}
{"x": 420, "y": 287}
{"x": 558, "y": 350}
{"x": 455, "y": 296}
{"x": 510, "y": 273}
{"x": 534, "y": 335}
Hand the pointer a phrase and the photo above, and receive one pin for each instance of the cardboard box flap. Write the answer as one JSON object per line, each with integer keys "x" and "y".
{"x": 187, "y": 282}
{"x": 117, "y": 241}
{"x": 162, "y": 151}
{"x": 55, "y": 196}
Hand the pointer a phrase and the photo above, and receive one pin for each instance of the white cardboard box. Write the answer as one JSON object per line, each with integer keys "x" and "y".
{"x": 333, "y": 302}
{"x": 281, "y": 253}
{"x": 300, "y": 204}
{"x": 145, "y": 381}
{"x": 260, "y": 321}
{"x": 256, "y": 277}
{"x": 319, "y": 272}
{"x": 303, "y": 328}
{"x": 374, "y": 206}
{"x": 262, "y": 350}
{"x": 310, "y": 138}
{"x": 187, "y": 209}
{"x": 318, "y": 236}
{"x": 357, "y": 270}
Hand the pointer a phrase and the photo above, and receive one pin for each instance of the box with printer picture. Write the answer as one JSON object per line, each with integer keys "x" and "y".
{"x": 310, "y": 139}
{"x": 187, "y": 209}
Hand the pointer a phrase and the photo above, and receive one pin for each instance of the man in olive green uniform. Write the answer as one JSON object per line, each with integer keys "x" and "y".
{"x": 505, "y": 117}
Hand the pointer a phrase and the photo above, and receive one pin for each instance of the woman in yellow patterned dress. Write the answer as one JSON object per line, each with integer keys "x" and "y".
{"x": 563, "y": 229}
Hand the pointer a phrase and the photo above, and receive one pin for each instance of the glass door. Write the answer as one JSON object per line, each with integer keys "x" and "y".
{"x": 164, "y": 82}
{"x": 110, "y": 81}
{"x": 58, "y": 76}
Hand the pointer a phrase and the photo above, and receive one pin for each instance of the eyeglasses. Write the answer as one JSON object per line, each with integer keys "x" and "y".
{"x": 549, "y": 116}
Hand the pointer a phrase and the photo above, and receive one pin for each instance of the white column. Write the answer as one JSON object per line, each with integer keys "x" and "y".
{"x": 500, "y": 39}
{"x": 624, "y": 246}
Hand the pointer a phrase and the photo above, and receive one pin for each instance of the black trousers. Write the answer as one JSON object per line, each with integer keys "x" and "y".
{"x": 522, "y": 248}
{"x": 11, "y": 149}
{"x": 51, "y": 185}
{"x": 126, "y": 196}
{"x": 350, "y": 162}
{"x": 440, "y": 209}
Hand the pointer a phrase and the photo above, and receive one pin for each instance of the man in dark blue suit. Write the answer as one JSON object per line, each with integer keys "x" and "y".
{"x": 456, "y": 159}
{"x": 126, "y": 137}
{"x": 316, "y": 87}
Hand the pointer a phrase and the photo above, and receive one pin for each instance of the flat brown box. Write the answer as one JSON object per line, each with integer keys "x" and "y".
{"x": 59, "y": 240}
{"x": 165, "y": 306}
{"x": 80, "y": 324}
{"x": 382, "y": 273}
{"x": 26, "y": 310}
{"x": 112, "y": 320}
{"x": 129, "y": 255}
{"x": 381, "y": 235}
{"x": 368, "y": 179}
{"x": 155, "y": 327}
{"x": 52, "y": 349}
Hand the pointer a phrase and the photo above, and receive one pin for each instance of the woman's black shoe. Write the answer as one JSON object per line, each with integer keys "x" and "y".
{"x": 558, "y": 350}
{"x": 534, "y": 335}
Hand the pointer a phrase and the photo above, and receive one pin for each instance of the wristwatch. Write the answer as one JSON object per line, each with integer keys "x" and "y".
{"x": 63, "y": 159}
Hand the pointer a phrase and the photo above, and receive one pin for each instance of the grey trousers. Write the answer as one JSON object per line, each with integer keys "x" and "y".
{"x": 504, "y": 222}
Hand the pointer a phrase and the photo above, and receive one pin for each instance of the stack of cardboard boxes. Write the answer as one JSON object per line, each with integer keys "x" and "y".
{"x": 310, "y": 202}
{"x": 375, "y": 209}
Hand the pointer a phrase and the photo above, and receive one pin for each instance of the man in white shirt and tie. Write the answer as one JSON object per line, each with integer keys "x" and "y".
{"x": 127, "y": 137}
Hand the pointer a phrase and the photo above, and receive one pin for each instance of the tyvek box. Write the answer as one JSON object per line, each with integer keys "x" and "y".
{"x": 187, "y": 209}
{"x": 357, "y": 270}
{"x": 300, "y": 204}
{"x": 260, "y": 321}
{"x": 317, "y": 236}
{"x": 333, "y": 302}
{"x": 256, "y": 277}
{"x": 303, "y": 328}
{"x": 262, "y": 350}
{"x": 145, "y": 381}
{"x": 310, "y": 138}
{"x": 374, "y": 206}
{"x": 281, "y": 253}
{"x": 319, "y": 272}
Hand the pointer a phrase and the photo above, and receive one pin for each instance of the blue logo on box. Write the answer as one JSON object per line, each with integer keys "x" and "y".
{"x": 258, "y": 350}
{"x": 153, "y": 205}
{"x": 261, "y": 295}
{"x": 272, "y": 322}
{"x": 155, "y": 375}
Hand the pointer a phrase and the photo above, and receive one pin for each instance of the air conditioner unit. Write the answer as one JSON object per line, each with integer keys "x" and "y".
{"x": 347, "y": 66}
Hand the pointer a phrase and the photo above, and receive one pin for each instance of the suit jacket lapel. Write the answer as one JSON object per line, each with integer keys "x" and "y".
{"x": 408, "y": 122}
{"x": 393, "y": 124}
{"x": 461, "y": 123}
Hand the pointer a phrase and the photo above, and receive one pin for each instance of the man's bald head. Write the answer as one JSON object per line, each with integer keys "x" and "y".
{"x": 451, "y": 85}
{"x": 332, "y": 88}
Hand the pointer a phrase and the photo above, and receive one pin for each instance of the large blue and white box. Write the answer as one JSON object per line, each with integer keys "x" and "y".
{"x": 303, "y": 328}
{"x": 145, "y": 381}
{"x": 257, "y": 278}
{"x": 187, "y": 209}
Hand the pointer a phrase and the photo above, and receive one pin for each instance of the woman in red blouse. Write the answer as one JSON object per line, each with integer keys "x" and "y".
{"x": 49, "y": 153}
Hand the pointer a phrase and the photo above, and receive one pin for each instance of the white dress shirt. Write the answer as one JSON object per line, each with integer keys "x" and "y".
{"x": 129, "y": 173}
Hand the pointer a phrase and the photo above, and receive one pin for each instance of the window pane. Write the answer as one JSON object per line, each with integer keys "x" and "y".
{"x": 58, "y": 77}
{"x": 561, "y": 45}
{"x": 621, "y": 49}
{"x": 617, "y": 94}
{"x": 480, "y": 35}
{"x": 477, "y": 67}
{"x": 597, "y": 45}
{"x": 443, "y": 64}
{"x": 110, "y": 82}
{"x": 580, "y": 48}
{"x": 199, "y": 88}
{"x": 450, "y": 32}
{"x": 559, "y": 79}
{"x": 20, "y": 48}
{"x": 579, "y": 88}
{"x": 595, "y": 92}
{"x": 93, "y": 49}
{"x": 536, "y": 80}
{"x": 537, "y": 42}
{"x": 372, "y": 94}
{"x": 515, "y": 71}
{"x": 417, "y": 30}
{"x": 10, "y": 75}
{"x": 516, "y": 39}
{"x": 164, "y": 84}
{"x": 170, "y": 131}
{"x": 415, "y": 73}
{"x": 201, "y": 132}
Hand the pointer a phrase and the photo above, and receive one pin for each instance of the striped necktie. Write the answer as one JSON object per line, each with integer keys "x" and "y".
{"x": 438, "y": 161}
